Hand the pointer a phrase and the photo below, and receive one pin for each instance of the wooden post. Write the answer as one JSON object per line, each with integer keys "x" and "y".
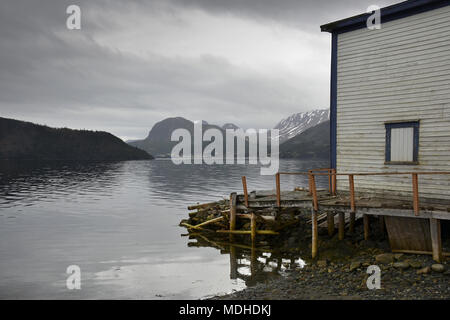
{"x": 315, "y": 234}
{"x": 233, "y": 197}
{"x": 366, "y": 226}
{"x": 341, "y": 225}
{"x": 329, "y": 181}
{"x": 333, "y": 182}
{"x": 436, "y": 241}
{"x": 277, "y": 182}
{"x": 351, "y": 186}
{"x": 314, "y": 192}
{"x": 253, "y": 228}
{"x": 415, "y": 183}
{"x": 330, "y": 222}
{"x": 352, "y": 222}
{"x": 309, "y": 183}
{"x": 382, "y": 225}
{"x": 244, "y": 185}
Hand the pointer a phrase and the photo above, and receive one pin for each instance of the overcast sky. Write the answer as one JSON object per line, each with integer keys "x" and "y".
{"x": 134, "y": 63}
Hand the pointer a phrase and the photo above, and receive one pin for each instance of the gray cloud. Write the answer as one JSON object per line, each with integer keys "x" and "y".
{"x": 131, "y": 66}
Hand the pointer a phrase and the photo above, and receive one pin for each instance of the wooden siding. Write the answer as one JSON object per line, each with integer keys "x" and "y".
{"x": 398, "y": 73}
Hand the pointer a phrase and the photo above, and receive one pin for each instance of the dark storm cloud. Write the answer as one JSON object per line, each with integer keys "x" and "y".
{"x": 306, "y": 14}
{"x": 98, "y": 78}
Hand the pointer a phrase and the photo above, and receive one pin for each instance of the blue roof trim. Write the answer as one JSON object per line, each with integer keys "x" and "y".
{"x": 394, "y": 12}
{"x": 333, "y": 101}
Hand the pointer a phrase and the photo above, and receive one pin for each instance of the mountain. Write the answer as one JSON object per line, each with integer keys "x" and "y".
{"x": 230, "y": 126}
{"x": 299, "y": 122}
{"x": 158, "y": 142}
{"x": 25, "y": 140}
{"x": 313, "y": 143}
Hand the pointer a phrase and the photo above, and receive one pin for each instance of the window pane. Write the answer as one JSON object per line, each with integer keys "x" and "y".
{"x": 402, "y": 144}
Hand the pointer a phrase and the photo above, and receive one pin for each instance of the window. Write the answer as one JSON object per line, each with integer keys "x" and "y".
{"x": 402, "y": 142}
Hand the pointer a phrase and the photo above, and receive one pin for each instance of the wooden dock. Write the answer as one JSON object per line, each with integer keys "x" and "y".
{"x": 412, "y": 226}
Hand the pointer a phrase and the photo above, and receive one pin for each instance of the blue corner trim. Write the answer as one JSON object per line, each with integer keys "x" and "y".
{"x": 393, "y": 12}
{"x": 333, "y": 101}
{"x": 404, "y": 124}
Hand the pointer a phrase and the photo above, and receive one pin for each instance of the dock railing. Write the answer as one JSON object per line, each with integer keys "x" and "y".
{"x": 332, "y": 174}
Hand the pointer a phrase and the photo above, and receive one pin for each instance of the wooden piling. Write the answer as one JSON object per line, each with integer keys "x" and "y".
{"x": 415, "y": 183}
{"x": 330, "y": 223}
{"x": 233, "y": 197}
{"x": 366, "y": 222}
{"x": 315, "y": 234}
{"x": 253, "y": 228}
{"x": 436, "y": 241}
{"x": 244, "y": 186}
{"x": 351, "y": 185}
{"x": 382, "y": 225}
{"x": 341, "y": 225}
{"x": 278, "y": 187}
{"x": 351, "y": 227}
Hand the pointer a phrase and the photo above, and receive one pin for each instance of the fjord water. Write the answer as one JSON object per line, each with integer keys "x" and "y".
{"x": 119, "y": 223}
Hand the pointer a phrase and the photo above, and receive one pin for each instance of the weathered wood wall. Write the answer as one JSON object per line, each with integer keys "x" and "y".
{"x": 400, "y": 72}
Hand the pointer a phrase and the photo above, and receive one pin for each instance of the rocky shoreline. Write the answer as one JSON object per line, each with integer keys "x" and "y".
{"x": 404, "y": 277}
{"x": 340, "y": 273}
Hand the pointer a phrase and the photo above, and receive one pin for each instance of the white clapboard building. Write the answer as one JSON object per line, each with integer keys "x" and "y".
{"x": 390, "y": 97}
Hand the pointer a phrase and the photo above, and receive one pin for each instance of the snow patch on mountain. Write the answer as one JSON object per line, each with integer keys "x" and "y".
{"x": 299, "y": 122}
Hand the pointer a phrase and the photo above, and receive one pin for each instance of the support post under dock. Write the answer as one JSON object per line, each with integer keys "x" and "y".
{"x": 436, "y": 241}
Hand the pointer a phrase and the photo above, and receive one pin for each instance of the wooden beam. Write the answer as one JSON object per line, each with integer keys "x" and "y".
{"x": 415, "y": 183}
{"x": 198, "y": 226}
{"x": 330, "y": 223}
{"x": 366, "y": 221}
{"x": 248, "y": 232}
{"x": 444, "y": 254}
{"x": 233, "y": 200}
{"x": 341, "y": 225}
{"x": 436, "y": 241}
{"x": 202, "y": 205}
{"x": 244, "y": 185}
{"x": 315, "y": 234}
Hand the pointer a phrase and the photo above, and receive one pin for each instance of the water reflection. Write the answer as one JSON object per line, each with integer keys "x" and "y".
{"x": 250, "y": 264}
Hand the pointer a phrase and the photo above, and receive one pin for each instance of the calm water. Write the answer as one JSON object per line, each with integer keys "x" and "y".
{"x": 119, "y": 223}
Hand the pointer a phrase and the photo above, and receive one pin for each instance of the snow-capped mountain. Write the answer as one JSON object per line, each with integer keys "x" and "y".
{"x": 299, "y": 122}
